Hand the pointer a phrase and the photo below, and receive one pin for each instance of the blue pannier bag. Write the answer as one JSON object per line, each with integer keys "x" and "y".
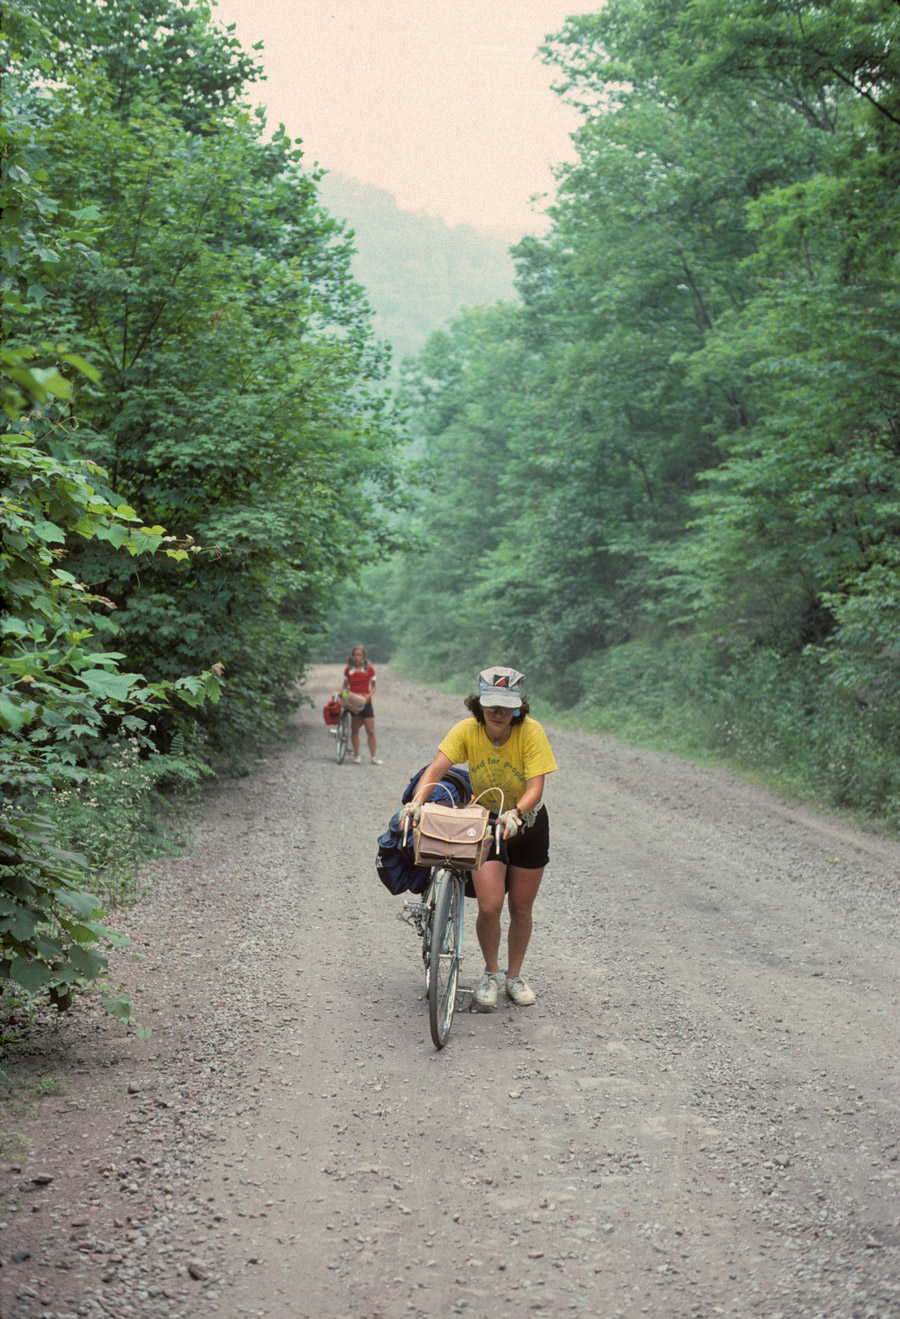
{"x": 395, "y": 863}
{"x": 454, "y": 785}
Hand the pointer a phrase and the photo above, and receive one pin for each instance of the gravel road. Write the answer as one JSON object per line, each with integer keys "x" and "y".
{"x": 699, "y": 1117}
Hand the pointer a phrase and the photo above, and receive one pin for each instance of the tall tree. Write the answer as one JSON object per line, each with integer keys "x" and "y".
{"x": 706, "y": 339}
{"x": 238, "y": 401}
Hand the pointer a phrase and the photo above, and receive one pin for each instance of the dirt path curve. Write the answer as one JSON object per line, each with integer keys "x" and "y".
{"x": 700, "y": 1116}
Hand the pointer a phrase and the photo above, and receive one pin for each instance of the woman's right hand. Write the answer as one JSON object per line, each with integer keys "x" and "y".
{"x": 411, "y": 812}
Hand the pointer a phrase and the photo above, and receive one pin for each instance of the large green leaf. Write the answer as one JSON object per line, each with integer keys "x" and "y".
{"x": 88, "y": 961}
{"x": 31, "y": 975}
{"x": 108, "y": 685}
{"x": 84, "y": 905}
{"x": 19, "y": 923}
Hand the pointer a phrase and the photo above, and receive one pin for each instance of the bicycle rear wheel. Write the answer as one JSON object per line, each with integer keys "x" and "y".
{"x": 445, "y": 952}
{"x": 342, "y": 741}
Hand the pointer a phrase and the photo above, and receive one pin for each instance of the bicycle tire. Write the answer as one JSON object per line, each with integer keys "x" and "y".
{"x": 445, "y": 951}
{"x": 427, "y": 927}
{"x": 343, "y": 737}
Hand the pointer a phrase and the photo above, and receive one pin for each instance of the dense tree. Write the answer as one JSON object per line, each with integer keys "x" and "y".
{"x": 160, "y": 52}
{"x": 193, "y": 430}
{"x": 705, "y": 408}
{"x": 238, "y": 399}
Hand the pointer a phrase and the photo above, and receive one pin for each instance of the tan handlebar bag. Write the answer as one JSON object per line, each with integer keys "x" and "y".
{"x": 452, "y": 836}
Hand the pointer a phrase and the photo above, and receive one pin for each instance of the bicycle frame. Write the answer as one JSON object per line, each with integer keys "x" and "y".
{"x": 438, "y": 919}
{"x": 342, "y": 741}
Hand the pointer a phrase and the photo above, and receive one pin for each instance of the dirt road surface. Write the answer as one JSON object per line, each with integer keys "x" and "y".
{"x": 699, "y": 1117}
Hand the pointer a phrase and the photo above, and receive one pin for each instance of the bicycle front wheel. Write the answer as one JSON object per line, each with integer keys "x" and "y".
{"x": 343, "y": 737}
{"x": 445, "y": 953}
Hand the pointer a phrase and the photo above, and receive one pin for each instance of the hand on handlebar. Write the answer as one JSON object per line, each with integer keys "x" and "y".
{"x": 410, "y": 814}
{"x": 510, "y": 822}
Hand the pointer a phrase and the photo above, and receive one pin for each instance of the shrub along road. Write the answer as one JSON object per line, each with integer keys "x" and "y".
{"x": 700, "y": 1115}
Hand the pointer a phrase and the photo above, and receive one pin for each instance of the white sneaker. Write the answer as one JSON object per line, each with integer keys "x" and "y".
{"x": 357, "y": 760}
{"x": 376, "y": 761}
{"x": 520, "y": 993}
{"x": 488, "y": 989}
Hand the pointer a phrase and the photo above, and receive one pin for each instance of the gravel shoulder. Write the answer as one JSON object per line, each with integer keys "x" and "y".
{"x": 700, "y": 1116}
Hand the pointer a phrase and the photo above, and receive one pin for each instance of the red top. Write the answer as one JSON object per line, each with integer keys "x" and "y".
{"x": 359, "y": 680}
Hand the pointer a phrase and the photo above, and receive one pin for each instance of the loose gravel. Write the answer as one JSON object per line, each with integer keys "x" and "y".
{"x": 700, "y": 1116}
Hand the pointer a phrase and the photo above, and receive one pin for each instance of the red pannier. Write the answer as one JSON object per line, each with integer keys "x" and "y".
{"x": 331, "y": 712}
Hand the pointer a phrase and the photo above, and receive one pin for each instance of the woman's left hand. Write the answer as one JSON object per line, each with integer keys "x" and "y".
{"x": 511, "y": 822}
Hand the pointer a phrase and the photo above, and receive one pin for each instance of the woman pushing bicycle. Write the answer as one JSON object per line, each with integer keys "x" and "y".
{"x": 359, "y": 677}
{"x": 508, "y": 756}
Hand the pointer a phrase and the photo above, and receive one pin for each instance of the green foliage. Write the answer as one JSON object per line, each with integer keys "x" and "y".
{"x": 235, "y": 395}
{"x": 61, "y": 696}
{"x": 161, "y": 51}
{"x": 121, "y": 811}
{"x": 60, "y": 699}
{"x": 863, "y": 659}
{"x": 51, "y": 930}
{"x": 195, "y": 434}
{"x": 237, "y": 403}
{"x": 753, "y": 709}
{"x": 691, "y": 426}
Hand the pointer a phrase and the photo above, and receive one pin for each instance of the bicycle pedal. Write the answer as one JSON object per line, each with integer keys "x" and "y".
{"x": 413, "y": 914}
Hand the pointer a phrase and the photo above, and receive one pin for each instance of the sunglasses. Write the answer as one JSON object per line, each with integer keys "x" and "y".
{"x": 497, "y": 709}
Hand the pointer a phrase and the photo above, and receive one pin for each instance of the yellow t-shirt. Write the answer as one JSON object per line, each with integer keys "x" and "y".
{"x": 523, "y": 756}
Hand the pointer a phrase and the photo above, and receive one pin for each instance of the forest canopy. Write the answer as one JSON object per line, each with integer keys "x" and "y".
{"x": 667, "y": 484}
{"x": 195, "y": 432}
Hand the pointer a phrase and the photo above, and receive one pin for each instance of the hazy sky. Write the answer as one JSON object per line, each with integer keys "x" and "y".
{"x": 441, "y": 102}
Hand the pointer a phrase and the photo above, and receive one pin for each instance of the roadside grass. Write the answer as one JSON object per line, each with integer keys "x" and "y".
{"x": 773, "y": 720}
{"x": 21, "y": 1101}
{"x": 50, "y": 1086}
{"x": 13, "y": 1148}
{"x": 128, "y": 808}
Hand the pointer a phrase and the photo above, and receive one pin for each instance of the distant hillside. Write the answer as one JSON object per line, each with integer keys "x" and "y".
{"x": 417, "y": 270}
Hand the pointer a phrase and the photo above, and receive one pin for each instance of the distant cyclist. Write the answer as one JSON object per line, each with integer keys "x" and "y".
{"x": 359, "y": 677}
{"x": 505, "y": 749}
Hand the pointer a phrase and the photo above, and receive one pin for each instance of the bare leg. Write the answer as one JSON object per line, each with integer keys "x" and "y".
{"x": 490, "y": 887}
{"x": 523, "y": 887}
{"x": 370, "y": 735}
{"x": 355, "y": 722}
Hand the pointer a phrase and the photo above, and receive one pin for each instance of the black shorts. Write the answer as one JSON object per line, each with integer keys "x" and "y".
{"x": 366, "y": 712}
{"x": 530, "y": 848}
